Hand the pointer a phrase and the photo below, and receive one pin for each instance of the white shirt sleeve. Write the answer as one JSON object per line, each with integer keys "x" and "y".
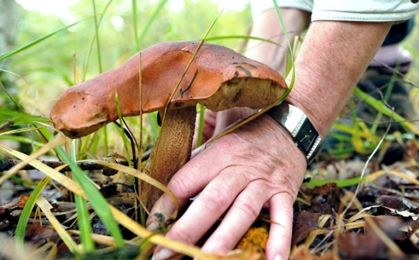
{"x": 364, "y": 10}
{"x": 345, "y": 10}
{"x": 259, "y": 6}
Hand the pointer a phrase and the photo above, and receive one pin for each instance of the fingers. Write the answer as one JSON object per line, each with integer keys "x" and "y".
{"x": 211, "y": 203}
{"x": 280, "y": 232}
{"x": 191, "y": 179}
{"x": 238, "y": 220}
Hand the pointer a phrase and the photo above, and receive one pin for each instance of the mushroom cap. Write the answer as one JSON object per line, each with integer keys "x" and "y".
{"x": 217, "y": 77}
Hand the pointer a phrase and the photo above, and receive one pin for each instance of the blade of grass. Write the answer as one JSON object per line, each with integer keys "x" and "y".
{"x": 17, "y": 131}
{"x": 83, "y": 219}
{"x": 389, "y": 89}
{"x": 86, "y": 61}
{"x": 49, "y": 250}
{"x": 90, "y": 144}
{"x": 44, "y": 205}
{"x": 201, "y": 123}
{"x": 104, "y": 135}
{"x": 27, "y": 210}
{"x": 102, "y": 239}
{"x": 20, "y": 117}
{"x": 46, "y": 148}
{"x": 339, "y": 182}
{"x": 291, "y": 73}
{"x": 97, "y": 200}
{"x": 373, "y": 176}
{"x": 21, "y": 139}
{"x": 50, "y": 172}
{"x": 135, "y": 23}
{"x": 12, "y": 99}
{"x": 382, "y": 108}
{"x": 150, "y": 21}
{"x": 242, "y": 37}
{"x": 36, "y": 41}
{"x": 99, "y": 56}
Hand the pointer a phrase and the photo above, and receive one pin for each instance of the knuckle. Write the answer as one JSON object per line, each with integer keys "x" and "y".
{"x": 181, "y": 235}
{"x": 222, "y": 243}
{"x": 180, "y": 187}
{"x": 216, "y": 202}
{"x": 286, "y": 185}
{"x": 248, "y": 208}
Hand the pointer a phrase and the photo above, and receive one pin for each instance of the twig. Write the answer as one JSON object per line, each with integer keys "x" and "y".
{"x": 359, "y": 186}
{"x": 7, "y": 164}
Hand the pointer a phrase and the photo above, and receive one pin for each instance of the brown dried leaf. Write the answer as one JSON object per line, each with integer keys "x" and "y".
{"x": 413, "y": 233}
{"x": 39, "y": 235}
{"x": 397, "y": 202}
{"x": 325, "y": 199}
{"x": 303, "y": 252}
{"x": 22, "y": 201}
{"x": 304, "y": 223}
{"x": 369, "y": 245}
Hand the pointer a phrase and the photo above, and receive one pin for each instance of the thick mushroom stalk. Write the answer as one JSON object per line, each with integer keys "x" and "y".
{"x": 217, "y": 77}
{"x": 172, "y": 151}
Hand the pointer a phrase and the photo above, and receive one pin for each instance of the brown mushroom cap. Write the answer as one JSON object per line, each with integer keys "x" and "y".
{"x": 218, "y": 77}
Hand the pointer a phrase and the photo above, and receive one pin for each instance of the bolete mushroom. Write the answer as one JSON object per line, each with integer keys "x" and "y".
{"x": 216, "y": 77}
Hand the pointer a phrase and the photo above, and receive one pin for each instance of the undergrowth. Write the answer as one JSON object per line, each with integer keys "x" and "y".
{"x": 119, "y": 141}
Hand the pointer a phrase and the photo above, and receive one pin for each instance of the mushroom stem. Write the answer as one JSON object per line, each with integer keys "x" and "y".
{"x": 172, "y": 151}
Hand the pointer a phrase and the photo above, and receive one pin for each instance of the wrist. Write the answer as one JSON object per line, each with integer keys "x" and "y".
{"x": 284, "y": 140}
{"x": 299, "y": 127}
{"x": 312, "y": 110}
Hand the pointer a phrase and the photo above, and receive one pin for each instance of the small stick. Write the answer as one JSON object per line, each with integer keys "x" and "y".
{"x": 6, "y": 164}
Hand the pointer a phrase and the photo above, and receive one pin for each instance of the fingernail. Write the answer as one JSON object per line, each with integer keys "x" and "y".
{"x": 153, "y": 226}
{"x": 279, "y": 257}
{"x": 162, "y": 254}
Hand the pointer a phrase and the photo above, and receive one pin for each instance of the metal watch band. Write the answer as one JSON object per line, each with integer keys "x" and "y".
{"x": 299, "y": 126}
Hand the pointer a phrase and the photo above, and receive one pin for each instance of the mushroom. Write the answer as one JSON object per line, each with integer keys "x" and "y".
{"x": 214, "y": 76}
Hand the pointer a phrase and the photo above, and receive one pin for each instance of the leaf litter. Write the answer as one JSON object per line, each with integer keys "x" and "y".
{"x": 381, "y": 223}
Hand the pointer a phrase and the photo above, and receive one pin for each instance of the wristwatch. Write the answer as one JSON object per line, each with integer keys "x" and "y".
{"x": 299, "y": 127}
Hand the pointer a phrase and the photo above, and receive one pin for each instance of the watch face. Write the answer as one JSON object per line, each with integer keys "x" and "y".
{"x": 307, "y": 138}
{"x": 299, "y": 126}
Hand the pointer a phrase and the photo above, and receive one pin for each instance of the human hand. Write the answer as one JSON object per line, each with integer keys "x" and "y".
{"x": 258, "y": 165}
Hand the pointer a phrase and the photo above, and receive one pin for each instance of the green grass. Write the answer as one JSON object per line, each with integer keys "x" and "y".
{"x": 27, "y": 210}
{"x": 97, "y": 200}
{"x": 381, "y": 107}
{"x": 84, "y": 223}
{"x": 36, "y": 41}
{"x": 150, "y": 21}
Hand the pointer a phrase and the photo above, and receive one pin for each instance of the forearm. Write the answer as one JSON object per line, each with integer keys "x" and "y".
{"x": 267, "y": 26}
{"x": 330, "y": 62}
